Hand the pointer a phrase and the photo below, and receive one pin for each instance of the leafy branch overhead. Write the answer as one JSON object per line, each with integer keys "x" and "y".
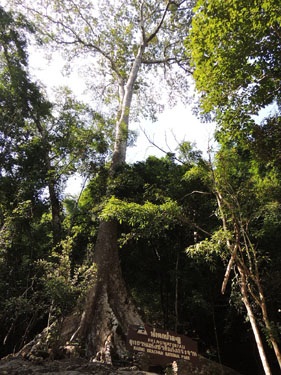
{"x": 146, "y": 218}
{"x": 235, "y": 53}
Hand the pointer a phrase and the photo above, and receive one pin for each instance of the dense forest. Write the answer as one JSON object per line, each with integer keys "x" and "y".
{"x": 186, "y": 242}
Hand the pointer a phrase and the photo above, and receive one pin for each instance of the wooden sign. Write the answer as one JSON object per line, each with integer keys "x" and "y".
{"x": 162, "y": 347}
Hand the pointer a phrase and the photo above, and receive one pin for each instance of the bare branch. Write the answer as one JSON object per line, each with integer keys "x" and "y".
{"x": 86, "y": 44}
{"x": 158, "y": 147}
{"x": 228, "y": 270}
{"x": 158, "y": 27}
{"x": 159, "y": 61}
{"x": 142, "y": 22}
{"x": 169, "y": 61}
{"x": 197, "y": 192}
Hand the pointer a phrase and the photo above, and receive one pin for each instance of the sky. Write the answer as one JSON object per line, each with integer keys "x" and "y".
{"x": 172, "y": 127}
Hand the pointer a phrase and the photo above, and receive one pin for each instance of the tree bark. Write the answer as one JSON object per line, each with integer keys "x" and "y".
{"x": 56, "y": 211}
{"x": 56, "y": 208}
{"x": 109, "y": 308}
{"x": 266, "y": 320}
{"x": 251, "y": 316}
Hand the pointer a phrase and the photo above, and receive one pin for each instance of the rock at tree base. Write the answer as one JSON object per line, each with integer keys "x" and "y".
{"x": 18, "y": 366}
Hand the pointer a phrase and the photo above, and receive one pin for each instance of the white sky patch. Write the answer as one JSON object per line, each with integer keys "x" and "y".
{"x": 173, "y": 127}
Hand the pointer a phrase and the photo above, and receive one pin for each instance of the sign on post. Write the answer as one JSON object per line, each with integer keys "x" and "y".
{"x": 162, "y": 347}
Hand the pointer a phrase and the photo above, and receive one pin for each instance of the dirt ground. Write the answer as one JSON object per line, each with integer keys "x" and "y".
{"x": 78, "y": 366}
{"x": 19, "y": 366}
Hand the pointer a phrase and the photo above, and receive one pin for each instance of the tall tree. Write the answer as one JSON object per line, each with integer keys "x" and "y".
{"x": 127, "y": 43}
{"x": 235, "y": 51}
{"x": 22, "y": 178}
{"x": 40, "y": 144}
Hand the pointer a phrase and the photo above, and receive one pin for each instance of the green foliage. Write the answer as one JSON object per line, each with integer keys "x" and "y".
{"x": 235, "y": 48}
{"x": 210, "y": 249}
{"x": 200, "y": 171}
{"x": 148, "y": 217}
{"x": 237, "y": 73}
{"x": 63, "y": 284}
{"x": 188, "y": 154}
{"x": 79, "y": 137}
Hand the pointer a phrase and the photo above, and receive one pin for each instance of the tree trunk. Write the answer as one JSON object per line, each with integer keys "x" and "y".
{"x": 56, "y": 208}
{"x": 56, "y": 211}
{"x": 268, "y": 324}
{"x": 250, "y": 314}
{"x": 109, "y": 309}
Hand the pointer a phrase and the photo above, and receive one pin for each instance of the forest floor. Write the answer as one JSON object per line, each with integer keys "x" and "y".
{"x": 18, "y": 366}
{"x": 78, "y": 366}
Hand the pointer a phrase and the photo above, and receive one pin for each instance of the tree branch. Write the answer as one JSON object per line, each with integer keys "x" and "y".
{"x": 76, "y": 37}
{"x": 158, "y": 27}
{"x": 159, "y": 61}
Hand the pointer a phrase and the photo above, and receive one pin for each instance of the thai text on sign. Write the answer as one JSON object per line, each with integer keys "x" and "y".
{"x": 162, "y": 346}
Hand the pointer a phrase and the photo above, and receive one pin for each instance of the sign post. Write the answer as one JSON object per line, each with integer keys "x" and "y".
{"x": 160, "y": 346}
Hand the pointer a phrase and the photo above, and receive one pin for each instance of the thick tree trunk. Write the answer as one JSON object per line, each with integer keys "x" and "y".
{"x": 109, "y": 309}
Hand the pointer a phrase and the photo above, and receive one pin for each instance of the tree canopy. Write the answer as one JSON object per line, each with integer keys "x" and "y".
{"x": 127, "y": 44}
{"x": 235, "y": 51}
